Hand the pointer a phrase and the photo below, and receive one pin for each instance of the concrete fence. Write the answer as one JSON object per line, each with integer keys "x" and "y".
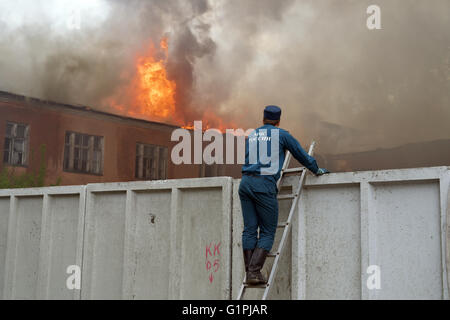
{"x": 139, "y": 240}
{"x": 395, "y": 220}
{"x": 181, "y": 239}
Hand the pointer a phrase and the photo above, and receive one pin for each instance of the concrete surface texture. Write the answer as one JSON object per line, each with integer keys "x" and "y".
{"x": 181, "y": 239}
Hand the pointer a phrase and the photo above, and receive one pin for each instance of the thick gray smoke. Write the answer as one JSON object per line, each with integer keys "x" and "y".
{"x": 350, "y": 88}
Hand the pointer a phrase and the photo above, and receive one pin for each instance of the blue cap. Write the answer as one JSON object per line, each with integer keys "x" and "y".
{"x": 272, "y": 113}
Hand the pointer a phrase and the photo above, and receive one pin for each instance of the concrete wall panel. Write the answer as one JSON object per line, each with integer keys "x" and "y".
{"x": 158, "y": 240}
{"x": 43, "y": 231}
{"x": 27, "y": 248}
{"x": 406, "y": 242}
{"x": 104, "y": 245}
{"x": 64, "y": 220}
{"x": 331, "y": 252}
{"x": 152, "y": 239}
{"x": 201, "y": 236}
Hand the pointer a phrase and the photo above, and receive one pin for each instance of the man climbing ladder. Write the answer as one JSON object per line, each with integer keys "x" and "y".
{"x": 265, "y": 151}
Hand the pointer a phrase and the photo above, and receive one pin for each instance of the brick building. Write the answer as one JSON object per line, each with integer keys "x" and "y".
{"x": 84, "y": 145}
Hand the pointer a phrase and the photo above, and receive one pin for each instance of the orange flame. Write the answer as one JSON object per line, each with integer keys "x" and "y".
{"x": 156, "y": 94}
{"x": 151, "y": 95}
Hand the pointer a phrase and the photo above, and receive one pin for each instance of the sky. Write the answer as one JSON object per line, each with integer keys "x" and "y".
{"x": 348, "y": 87}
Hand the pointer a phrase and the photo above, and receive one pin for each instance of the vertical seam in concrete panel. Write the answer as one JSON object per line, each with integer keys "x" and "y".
{"x": 129, "y": 267}
{"x": 89, "y": 236}
{"x": 294, "y": 253}
{"x": 365, "y": 194}
{"x": 231, "y": 240}
{"x": 294, "y": 246}
{"x": 227, "y": 204}
{"x": 301, "y": 292}
{"x": 12, "y": 249}
{"x": 237, "y": 269}
{"x": 447, "y": 233}
{"x": 44, "y": 251}
{"x": 444, "y": 183}
{"x": 181, "y": 246}
{"x": 10, "y": 260}
{"x": 80, "y": 238}
{"x": 174, "y": 265}
{"x": 372, "y": 247}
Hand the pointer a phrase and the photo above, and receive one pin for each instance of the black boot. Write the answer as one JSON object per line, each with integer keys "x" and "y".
{"x": 247, "y": 258}
{"x": 254, "y": 276}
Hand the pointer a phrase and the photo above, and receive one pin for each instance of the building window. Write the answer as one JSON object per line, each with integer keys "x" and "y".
{"x": 83, "y": 153}
{"x": 151, "y": 162}
{"x": 16, "y": 144}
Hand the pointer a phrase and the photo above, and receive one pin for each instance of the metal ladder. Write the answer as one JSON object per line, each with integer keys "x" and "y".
{"x": 286, "y": 225}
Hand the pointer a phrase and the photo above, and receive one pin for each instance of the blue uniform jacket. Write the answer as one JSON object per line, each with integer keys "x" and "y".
{"x": 286, "y": 142}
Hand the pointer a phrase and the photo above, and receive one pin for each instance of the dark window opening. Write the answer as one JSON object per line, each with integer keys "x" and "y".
{"x": 151, "y": 162}
{"x": 15, "y": 148}
{"x": 83, "y": 153}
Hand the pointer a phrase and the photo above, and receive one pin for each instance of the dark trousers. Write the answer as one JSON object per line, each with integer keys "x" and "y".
{"x": 259, "y": 204}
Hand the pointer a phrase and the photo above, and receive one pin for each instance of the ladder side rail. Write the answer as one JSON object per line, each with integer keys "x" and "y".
{"x": 241, "y": 290}
{"x": 299, "y": 188}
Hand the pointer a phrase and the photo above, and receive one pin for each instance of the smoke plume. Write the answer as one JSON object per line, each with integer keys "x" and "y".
{"x": 350, "y": 88}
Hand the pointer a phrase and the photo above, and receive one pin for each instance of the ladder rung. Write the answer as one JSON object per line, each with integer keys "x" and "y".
{"x": 282, "y": 224}
{"x": 291, "y": 170}
{"x": 259, "y": 286}
{"x": 286, "y": 196}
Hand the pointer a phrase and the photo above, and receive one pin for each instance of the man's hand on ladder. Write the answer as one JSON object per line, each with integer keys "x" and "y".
{"x": 321, "y": 171}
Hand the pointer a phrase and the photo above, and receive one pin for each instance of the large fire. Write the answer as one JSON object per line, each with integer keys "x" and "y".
{"x": 155, "y": 92}
{"x": 150, "y": 94}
